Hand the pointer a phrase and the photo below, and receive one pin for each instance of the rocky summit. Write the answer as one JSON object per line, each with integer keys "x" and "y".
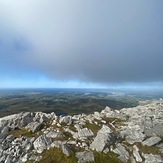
{"x": 129, "y": 135}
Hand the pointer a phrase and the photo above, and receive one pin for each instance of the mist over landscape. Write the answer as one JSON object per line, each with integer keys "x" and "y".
{"x": 81, "y": 81}
{"x": 64, "y": 101}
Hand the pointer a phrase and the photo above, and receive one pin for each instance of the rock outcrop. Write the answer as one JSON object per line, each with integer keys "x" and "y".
{"x": 85, "y": 156}
{"x": 133, "y": 134}
{"x": 104, "y": 139}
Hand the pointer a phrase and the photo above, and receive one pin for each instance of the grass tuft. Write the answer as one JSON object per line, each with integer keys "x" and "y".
{"x": 55, "y": 155}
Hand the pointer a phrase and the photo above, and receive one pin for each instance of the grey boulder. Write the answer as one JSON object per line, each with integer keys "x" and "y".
{"x": 34, "y": 126}
{"x": 122, "y": 152}
{"x": 104, "y": 139}
{"x": 86, "y": 156}
{"x": 41, "y": 143}
{"x": 150, "y": 158}
{"x": 151, "y": 141}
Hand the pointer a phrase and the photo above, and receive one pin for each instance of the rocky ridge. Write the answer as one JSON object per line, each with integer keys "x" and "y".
{"x": 131, "y": 134}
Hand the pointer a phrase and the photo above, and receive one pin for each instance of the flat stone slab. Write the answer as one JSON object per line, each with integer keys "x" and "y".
{"x": 86, "y": 156}
{"x": 34, "y": 126}
{"x": 137, "y": 156}
{"x": 150, "y": 158}
{"x": 122, "y": 152}
{"x": 152, "y": 141}
{"x": 104, "y": 139}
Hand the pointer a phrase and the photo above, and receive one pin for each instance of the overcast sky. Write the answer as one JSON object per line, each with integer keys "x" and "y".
{"x": 81, "y": 43}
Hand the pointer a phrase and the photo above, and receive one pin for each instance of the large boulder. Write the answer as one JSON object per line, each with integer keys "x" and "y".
{"x": 22, "y": 120}
{"x": 42, "y": 117}
{"x": 34, "y": 126}
{"x": 41, "y": 143}
{"x": 54, "y": 134}
{"x": 153, "y": 126}
{"x": 104, "y": 139}
{"x": 137, "y": 156}
{"x": 6, "y": 121}
{"x": 83, "y": 133}
{"x": 150, "y": 158}
{"x": 122, "y": 152}
{"x": 63, "y": 146}
{"x": 66, "y": 119}
{"x": 132, "y": 133}
{"x": 151, "y": 141}
{"x": 3, "y": 133}
{"x": 65, "y": 149}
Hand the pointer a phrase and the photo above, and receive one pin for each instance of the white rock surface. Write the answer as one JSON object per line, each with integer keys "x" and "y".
{"x": 105, "y": 138}
{"x": 152, "y": 141}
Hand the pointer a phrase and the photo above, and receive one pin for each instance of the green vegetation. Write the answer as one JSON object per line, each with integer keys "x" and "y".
{"x": 62, "y": 101}
{"x": 55, "y": 155}
{"x": 106, "y": 158}
{"x": 71, "y": 127}
{"x": 93, "y": 127}
{"x": 147, "y": 150}
{"x": 22, "y": 132}
{"x": 115, "y": 121}
{"x": 112, "y": 119}
{"x": 67, "y": 135}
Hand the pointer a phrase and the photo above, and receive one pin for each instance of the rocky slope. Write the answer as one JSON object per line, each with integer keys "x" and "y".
{"x": 127, "y": 135}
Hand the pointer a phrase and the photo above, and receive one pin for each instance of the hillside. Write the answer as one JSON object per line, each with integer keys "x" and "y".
{"x": 128, "y": 135}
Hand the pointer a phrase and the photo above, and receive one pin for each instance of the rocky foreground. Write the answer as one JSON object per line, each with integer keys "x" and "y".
{"x": 127, "y": 135}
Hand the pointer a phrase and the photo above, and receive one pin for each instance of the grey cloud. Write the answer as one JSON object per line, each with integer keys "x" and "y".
{"x": 92, "y": 41}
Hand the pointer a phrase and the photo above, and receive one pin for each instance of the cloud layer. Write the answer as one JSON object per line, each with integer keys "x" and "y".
{"x": 91, "y": 41}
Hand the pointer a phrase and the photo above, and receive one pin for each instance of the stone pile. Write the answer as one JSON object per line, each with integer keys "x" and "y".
{"x": 129, "y": 133}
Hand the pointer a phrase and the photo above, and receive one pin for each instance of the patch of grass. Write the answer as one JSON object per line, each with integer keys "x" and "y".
{"x": 22, "y": 132}
{"x": 71, "y": 127}
{"x": 63, "y": 124}
{"x": 161, "y": 138}
{"x": 106, "y": 158}
{"x": 67, "y": 135}
{"x": 147, "y": 150}
{"x": 95, "y": 128}
{"x": 55, "y": 155}
{"x": 115, "y": 120}
{"x": 46, "y": 124}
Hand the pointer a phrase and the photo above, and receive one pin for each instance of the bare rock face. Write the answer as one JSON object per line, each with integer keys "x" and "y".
{"x": 24, "y": 119}
{"x": 65, "y": 149}
{"x": 105, "y": 138}
{"x": 150, "y": 158}
{"x": 54, "y": 134}
{"x": 83, "y": 133}
{"x": 63, "y": 146}
{"x": 141, "y": 125}
{"x": 137, "y": 156}
{"x": 151, "y": 141}
{"x": 42, "y": 117}
{"x": 41, "y": 143}
{"x": 3, "y": 133}
{"x": 153, "y": 125}
{"x": 66, "y": 120}
{"x": 34, "y": 126}
{"x": 86, "y": 156}
{"x": 122, "y": 152}
{"x": 132, "y": 133}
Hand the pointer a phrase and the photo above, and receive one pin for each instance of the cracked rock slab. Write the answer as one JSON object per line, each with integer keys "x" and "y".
{"x": 151, "y": 141}
{"x": 86, "y": 156}
{"x": 104, "y": 139}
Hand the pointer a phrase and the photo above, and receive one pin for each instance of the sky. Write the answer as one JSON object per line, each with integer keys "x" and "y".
{"x": 81, "y": 43}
